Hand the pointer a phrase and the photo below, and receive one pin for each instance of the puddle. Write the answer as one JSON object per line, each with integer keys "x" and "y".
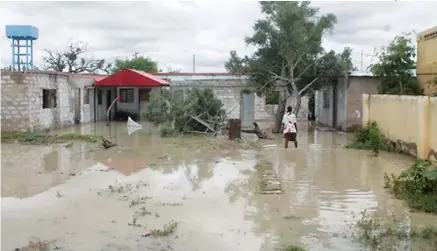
{"x": 209, "y": 189}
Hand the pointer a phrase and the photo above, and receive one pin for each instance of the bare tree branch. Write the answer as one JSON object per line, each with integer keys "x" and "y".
{"x": 308, "y": 85}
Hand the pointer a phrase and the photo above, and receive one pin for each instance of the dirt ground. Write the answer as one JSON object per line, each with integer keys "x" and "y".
{"x": 190, "y": 193}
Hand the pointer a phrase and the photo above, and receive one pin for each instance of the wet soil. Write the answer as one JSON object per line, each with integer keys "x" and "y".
{"x": 86, "y": 198}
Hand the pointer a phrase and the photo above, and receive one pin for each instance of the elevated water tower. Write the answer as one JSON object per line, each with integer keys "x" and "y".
{"x": 23, "y": 37}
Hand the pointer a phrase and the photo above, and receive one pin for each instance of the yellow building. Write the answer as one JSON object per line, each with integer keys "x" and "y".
{"x": 427, "y": 60}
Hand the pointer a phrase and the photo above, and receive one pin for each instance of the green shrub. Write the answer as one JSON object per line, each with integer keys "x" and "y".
{"x": 172, "y": 113}
{"x": 369, "y": 137}
{"x": 417, "y": 186}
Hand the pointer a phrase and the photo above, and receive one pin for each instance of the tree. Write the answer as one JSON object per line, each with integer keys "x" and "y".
{"x": 237, "y": 65}
{"x": 136, "y": 62}
{"x": 396, "y": 68}
{"x": 70, "y": 60}
{"x": 289, "y": 52}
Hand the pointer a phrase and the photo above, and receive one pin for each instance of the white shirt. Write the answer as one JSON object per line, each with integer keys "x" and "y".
{"x": 288, "y": 120}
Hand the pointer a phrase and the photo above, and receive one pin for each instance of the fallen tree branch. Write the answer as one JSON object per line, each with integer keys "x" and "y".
{"x": 257, "y": 130}
{"x": 203, "y": 123}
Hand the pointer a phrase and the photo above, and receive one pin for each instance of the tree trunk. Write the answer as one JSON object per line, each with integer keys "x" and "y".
{"x": 234, "y": 129}
{"x": 280, "y": 113}
{"x": 298, "y": 101}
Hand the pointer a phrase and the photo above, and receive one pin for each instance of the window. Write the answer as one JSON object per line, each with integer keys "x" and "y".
{"x": 127, "y": 95}
{"x": 48, "y": 98}
{"x": 144, "y": 95}
{"x": 99, "y": 97}
{"x": 326, "y": 103}
{"x": 86, "y": 97}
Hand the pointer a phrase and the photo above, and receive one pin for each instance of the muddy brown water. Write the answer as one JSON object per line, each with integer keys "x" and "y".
{"x": 61, "y": 194}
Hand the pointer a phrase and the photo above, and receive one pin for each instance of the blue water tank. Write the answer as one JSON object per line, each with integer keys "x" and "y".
{"x": 22, "y": 32}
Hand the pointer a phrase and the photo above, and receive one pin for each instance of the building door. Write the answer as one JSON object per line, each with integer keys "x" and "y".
{"x": 77, "y": 106}
{"x": 143, "y": 97}
{"x": 247, "y": 111}
{"x": 334, "y": 104}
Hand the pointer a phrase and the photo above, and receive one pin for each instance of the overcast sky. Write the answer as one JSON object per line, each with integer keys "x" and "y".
{"x": 170, "y": 32}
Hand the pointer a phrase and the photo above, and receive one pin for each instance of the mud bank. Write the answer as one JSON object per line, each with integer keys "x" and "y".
{"x": 269, "y": 182}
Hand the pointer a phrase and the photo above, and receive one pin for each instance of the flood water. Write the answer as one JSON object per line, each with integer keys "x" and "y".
{"x": 62, "y": 194}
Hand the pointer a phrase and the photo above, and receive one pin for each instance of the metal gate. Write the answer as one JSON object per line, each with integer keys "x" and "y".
{"x": 247, "y": 111}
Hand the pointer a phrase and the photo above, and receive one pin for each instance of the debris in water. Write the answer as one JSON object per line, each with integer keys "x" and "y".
{"x": 166, "y": 230}
{"x": 146, "y": 234}
{"x": 107, "y": 144}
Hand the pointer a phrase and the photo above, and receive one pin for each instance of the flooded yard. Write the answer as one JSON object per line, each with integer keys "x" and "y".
{"x": 193, "y": 193}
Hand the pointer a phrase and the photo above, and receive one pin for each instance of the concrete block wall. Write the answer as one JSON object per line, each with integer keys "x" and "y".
{"x": 22, "y": 100}
{"x": 229, "y": 92}
{"x": 14, "y": 102}
{"x": 63, "y": 114}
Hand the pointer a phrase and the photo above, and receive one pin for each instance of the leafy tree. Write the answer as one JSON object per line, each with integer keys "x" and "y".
{"x": 396, "y": 68}
{"x": 237, "y": 65}
{"x": 289, "y": 52}
{"x": 70, "y": 60}
{"x": 136, "y": 62}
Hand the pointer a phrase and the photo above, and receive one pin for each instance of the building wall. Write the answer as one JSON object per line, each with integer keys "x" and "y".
{"x": 14, "y": 102}
{"x": 324, "y": 114}
{"x": 408, "y": 121}
{"x": 22, "y": 100}
{"x": 357, "y": 87}
{"x": 427, "y": 60}
{"x": 348, "y": 102}
{"x": 432, "y": 128}
{"x": 86, "y": 101}
{"x": 342, "y": 97}
{"x": 229, "y": 92}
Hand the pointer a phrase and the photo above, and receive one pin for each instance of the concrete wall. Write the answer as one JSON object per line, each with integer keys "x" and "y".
{"x": 229, "y": 92}
{"x": 357, "y": 87}
{"x": 408, "y": 121}
{"x": 22, "y": 100}
{"x": 427, "y": 60}
{"x": 348, "y": 102}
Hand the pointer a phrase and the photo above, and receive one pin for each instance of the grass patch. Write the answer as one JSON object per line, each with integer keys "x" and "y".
{"x": 45, "y": 137}
{"x": 79, "y": 137}
{"x": 294, "y": 248}
{"x": 376, "y": 233}
{"x": 417, "y": 186}
{"x": 166, "y": 230}
{"x": 369, "y": 137}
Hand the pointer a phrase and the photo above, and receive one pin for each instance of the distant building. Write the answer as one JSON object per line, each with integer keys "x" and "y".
{"x": 427, "y": 60}
{"x": 340, "y": 106}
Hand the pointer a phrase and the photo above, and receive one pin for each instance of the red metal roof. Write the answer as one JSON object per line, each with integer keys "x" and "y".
{"x": 130, "y": 77}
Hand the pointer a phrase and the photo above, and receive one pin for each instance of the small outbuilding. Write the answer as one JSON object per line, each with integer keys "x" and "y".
{"x": 132, "y": 86}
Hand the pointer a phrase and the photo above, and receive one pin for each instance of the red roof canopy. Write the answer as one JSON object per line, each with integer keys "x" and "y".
{"x": 130, "y": 77}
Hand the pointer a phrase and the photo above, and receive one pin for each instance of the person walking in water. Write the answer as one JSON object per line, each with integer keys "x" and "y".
{"x": 289, "y": 126}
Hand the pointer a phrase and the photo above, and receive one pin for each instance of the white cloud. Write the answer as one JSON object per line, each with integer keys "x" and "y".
{"x": 172, "y": 31}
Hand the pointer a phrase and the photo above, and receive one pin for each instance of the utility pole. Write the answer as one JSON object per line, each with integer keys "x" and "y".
{"x": 361, "y": 60}
{"x": 194, "y": 63}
